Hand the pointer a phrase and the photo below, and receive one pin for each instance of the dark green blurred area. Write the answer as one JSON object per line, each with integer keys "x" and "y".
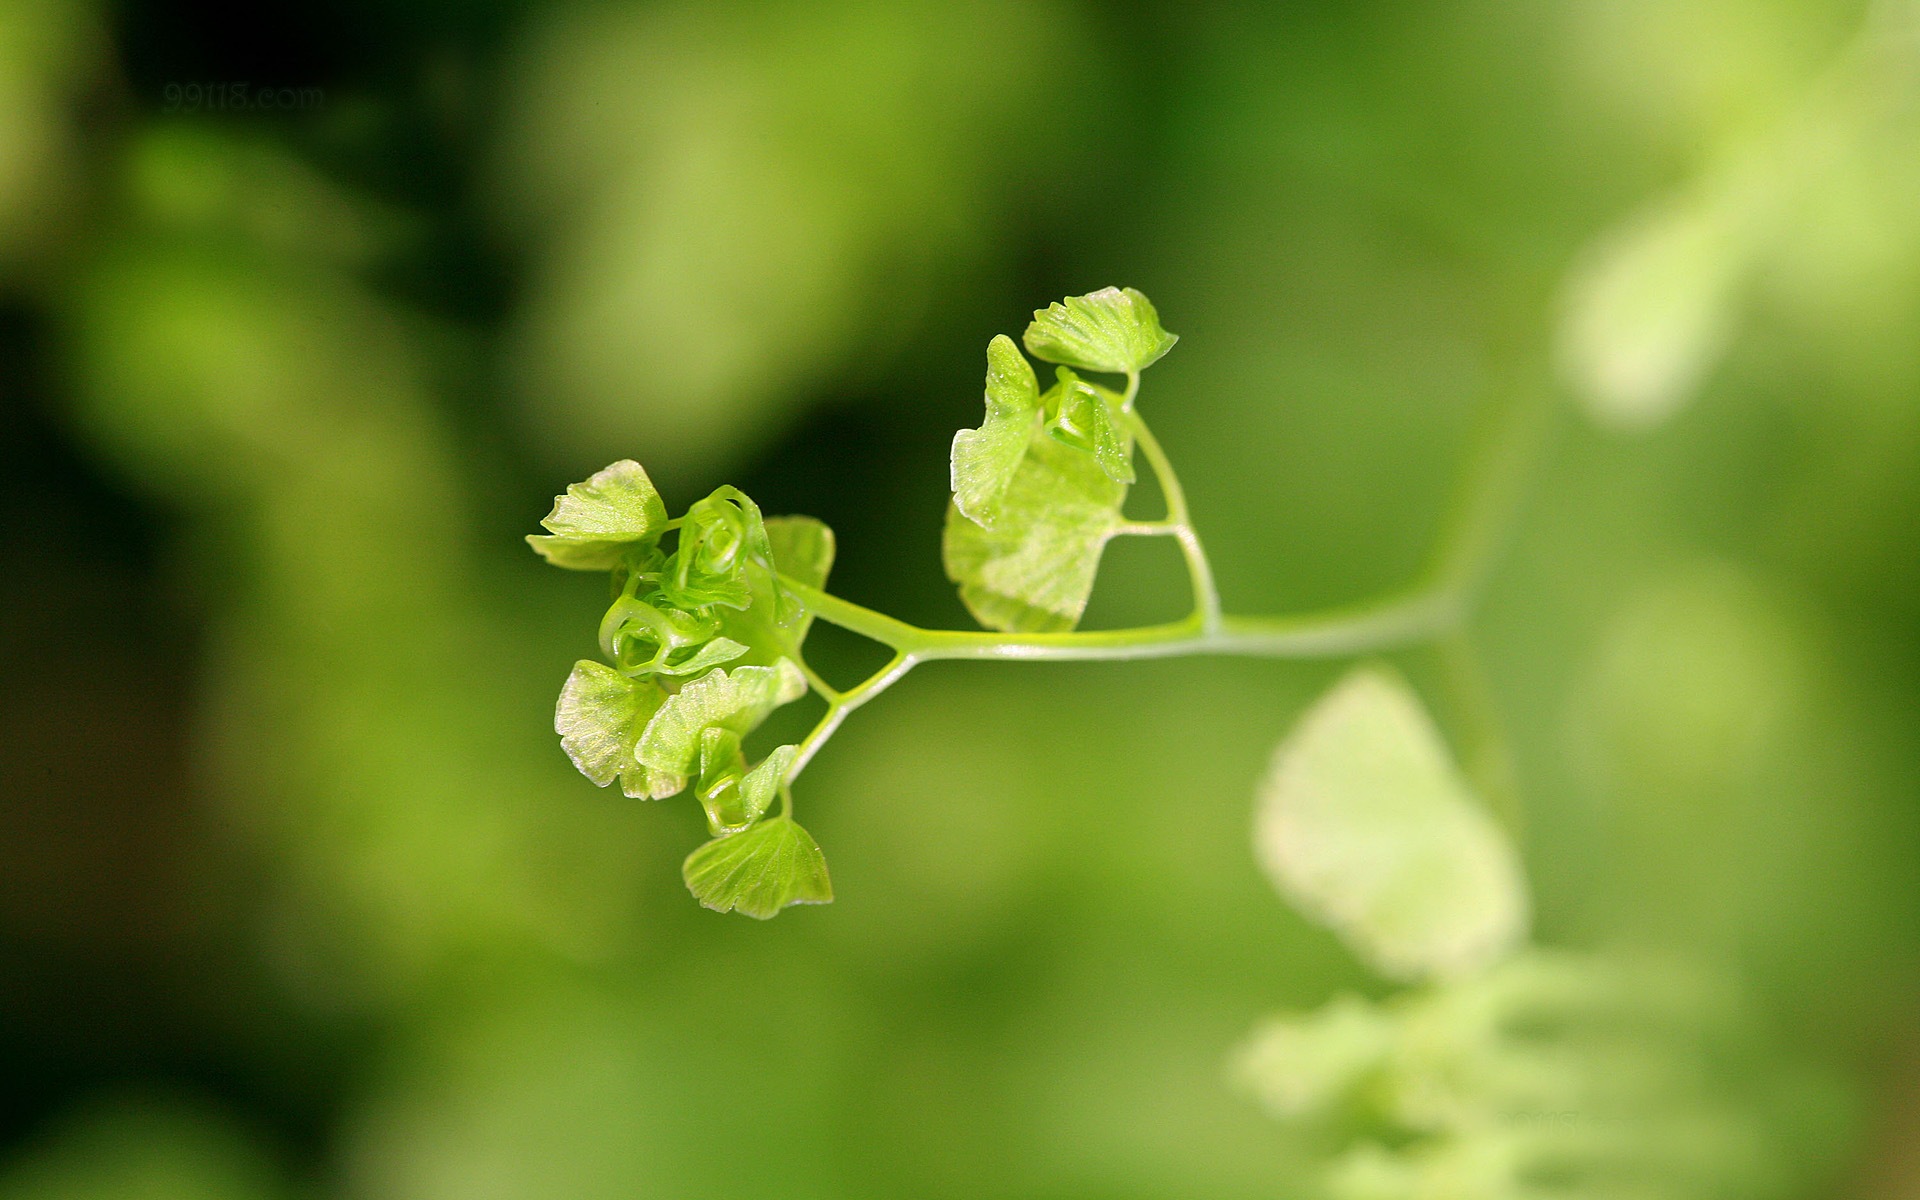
{"x": 298, "y": 894}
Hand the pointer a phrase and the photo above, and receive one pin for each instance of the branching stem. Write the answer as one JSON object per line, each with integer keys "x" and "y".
{"x": 1433, "y": 606}
{"x": 839, "y": 704}
{"x": 1179, "y": 522}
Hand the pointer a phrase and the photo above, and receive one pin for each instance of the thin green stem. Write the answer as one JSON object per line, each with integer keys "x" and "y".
{"x": 839, "y": 705}
{"x": 1431, "y": 605}
{"x": 1146, "y": 529}
{"x": 1402, "y": 620}
{"x": 1206, "y": 595}
{"x": 1434, "y": 605}
{"x": 827, "y": 691}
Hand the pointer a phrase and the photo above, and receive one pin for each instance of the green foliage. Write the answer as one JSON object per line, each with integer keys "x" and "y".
{"x": 1365, "y": 822}
{"x": 1084, "y": 418}
{"x": 719, "y": 537}
{"x": 704, "y": 640}
{"x": 1550, "y": 1075}
{"x": 734, "y": 796}
{"x": 1112, "y": 329}
{"x": 772, "y": 627}
{"x": 759, "y": 872}
{"x": 985, "y": 459}
{"x": 666, "y": 712}
{"x": 1038, "y": 488}
{"x": 600, "y": 717}
{"x": 1364, "y": 819}
{"x": 1033, "y": 571}
{"x": 601, "y": 518}
{"x": 716, "y": 213}
{"x": 717, "y": 700}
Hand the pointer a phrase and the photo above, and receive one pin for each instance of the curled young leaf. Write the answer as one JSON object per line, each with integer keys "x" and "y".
{"x": 720, "y": 538}
{"x": 1033, "y": 571}
{"x": 1112, "y": 329}
{"x": 721, "y": 766}
{"x": 1365, "y": 823}
{"x": 643, "y": 638}
{"x": 760, "y": 871}
{"x": 733, "y": 796}
{"x": 600, "y": 717}
{"x": 715, "y": 653}
{"x": 985, "y": 459}
{"x": 670, "y": 744}
{"x": 601, "y": 518}
{"x": 1084, "y": 419}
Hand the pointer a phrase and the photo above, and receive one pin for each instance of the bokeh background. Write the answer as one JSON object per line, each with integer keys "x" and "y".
{"x": 306, "y": 311}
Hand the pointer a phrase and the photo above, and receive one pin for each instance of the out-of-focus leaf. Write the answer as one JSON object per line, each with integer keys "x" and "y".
{"x": 757, "y": 873}
{"x": 1033, "y": 571}
{"x": 368, "y": 713}
{"x": 1300, "y": 1065}
{"x": 1113, "y": 329}
{"x": 599, "y": 518}
{"x": 985, "y": 459}
{"x": 1586, "y": 1070}
{"x": 1366, "y": 824}
{"x": 191, "y": 177}
{"x": 1650, "y": 311}
{"x": 600, "y": 717}
{"x": 739, "y": 701}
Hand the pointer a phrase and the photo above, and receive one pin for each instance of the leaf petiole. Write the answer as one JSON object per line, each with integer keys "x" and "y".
{"x": 1206, "y": 595}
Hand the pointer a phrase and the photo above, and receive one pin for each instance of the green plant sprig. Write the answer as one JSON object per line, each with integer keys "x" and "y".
{"x": 704, "y": 640}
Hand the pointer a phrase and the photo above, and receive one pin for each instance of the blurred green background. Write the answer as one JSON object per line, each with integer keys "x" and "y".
{"x": 307, "y": 311}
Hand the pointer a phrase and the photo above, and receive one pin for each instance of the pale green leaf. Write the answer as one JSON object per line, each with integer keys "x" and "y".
{"x": 670, "y": 744}
{"x": 734, "y": 796}
{"x": 985, "y": 459}
{"x": 1305, "y": 1065}
{"x": 1033, "y": 571}
{"x": 802, "y": 549}
{"x": 599, "y": 518}
{"x": 1650, "y": 310}
{"x": 715, "y": 653}
{"x": 599, "y": 718}
{"x": 1085, "y": 419}
{"x": 722, "y": 763}
{"x": 1365, "y": 823}
{"x": 760, "y": 871}
{"x": 721, "y": 537}
{"x": 760, "y": 785}
{"x": 1109, "y": 330}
